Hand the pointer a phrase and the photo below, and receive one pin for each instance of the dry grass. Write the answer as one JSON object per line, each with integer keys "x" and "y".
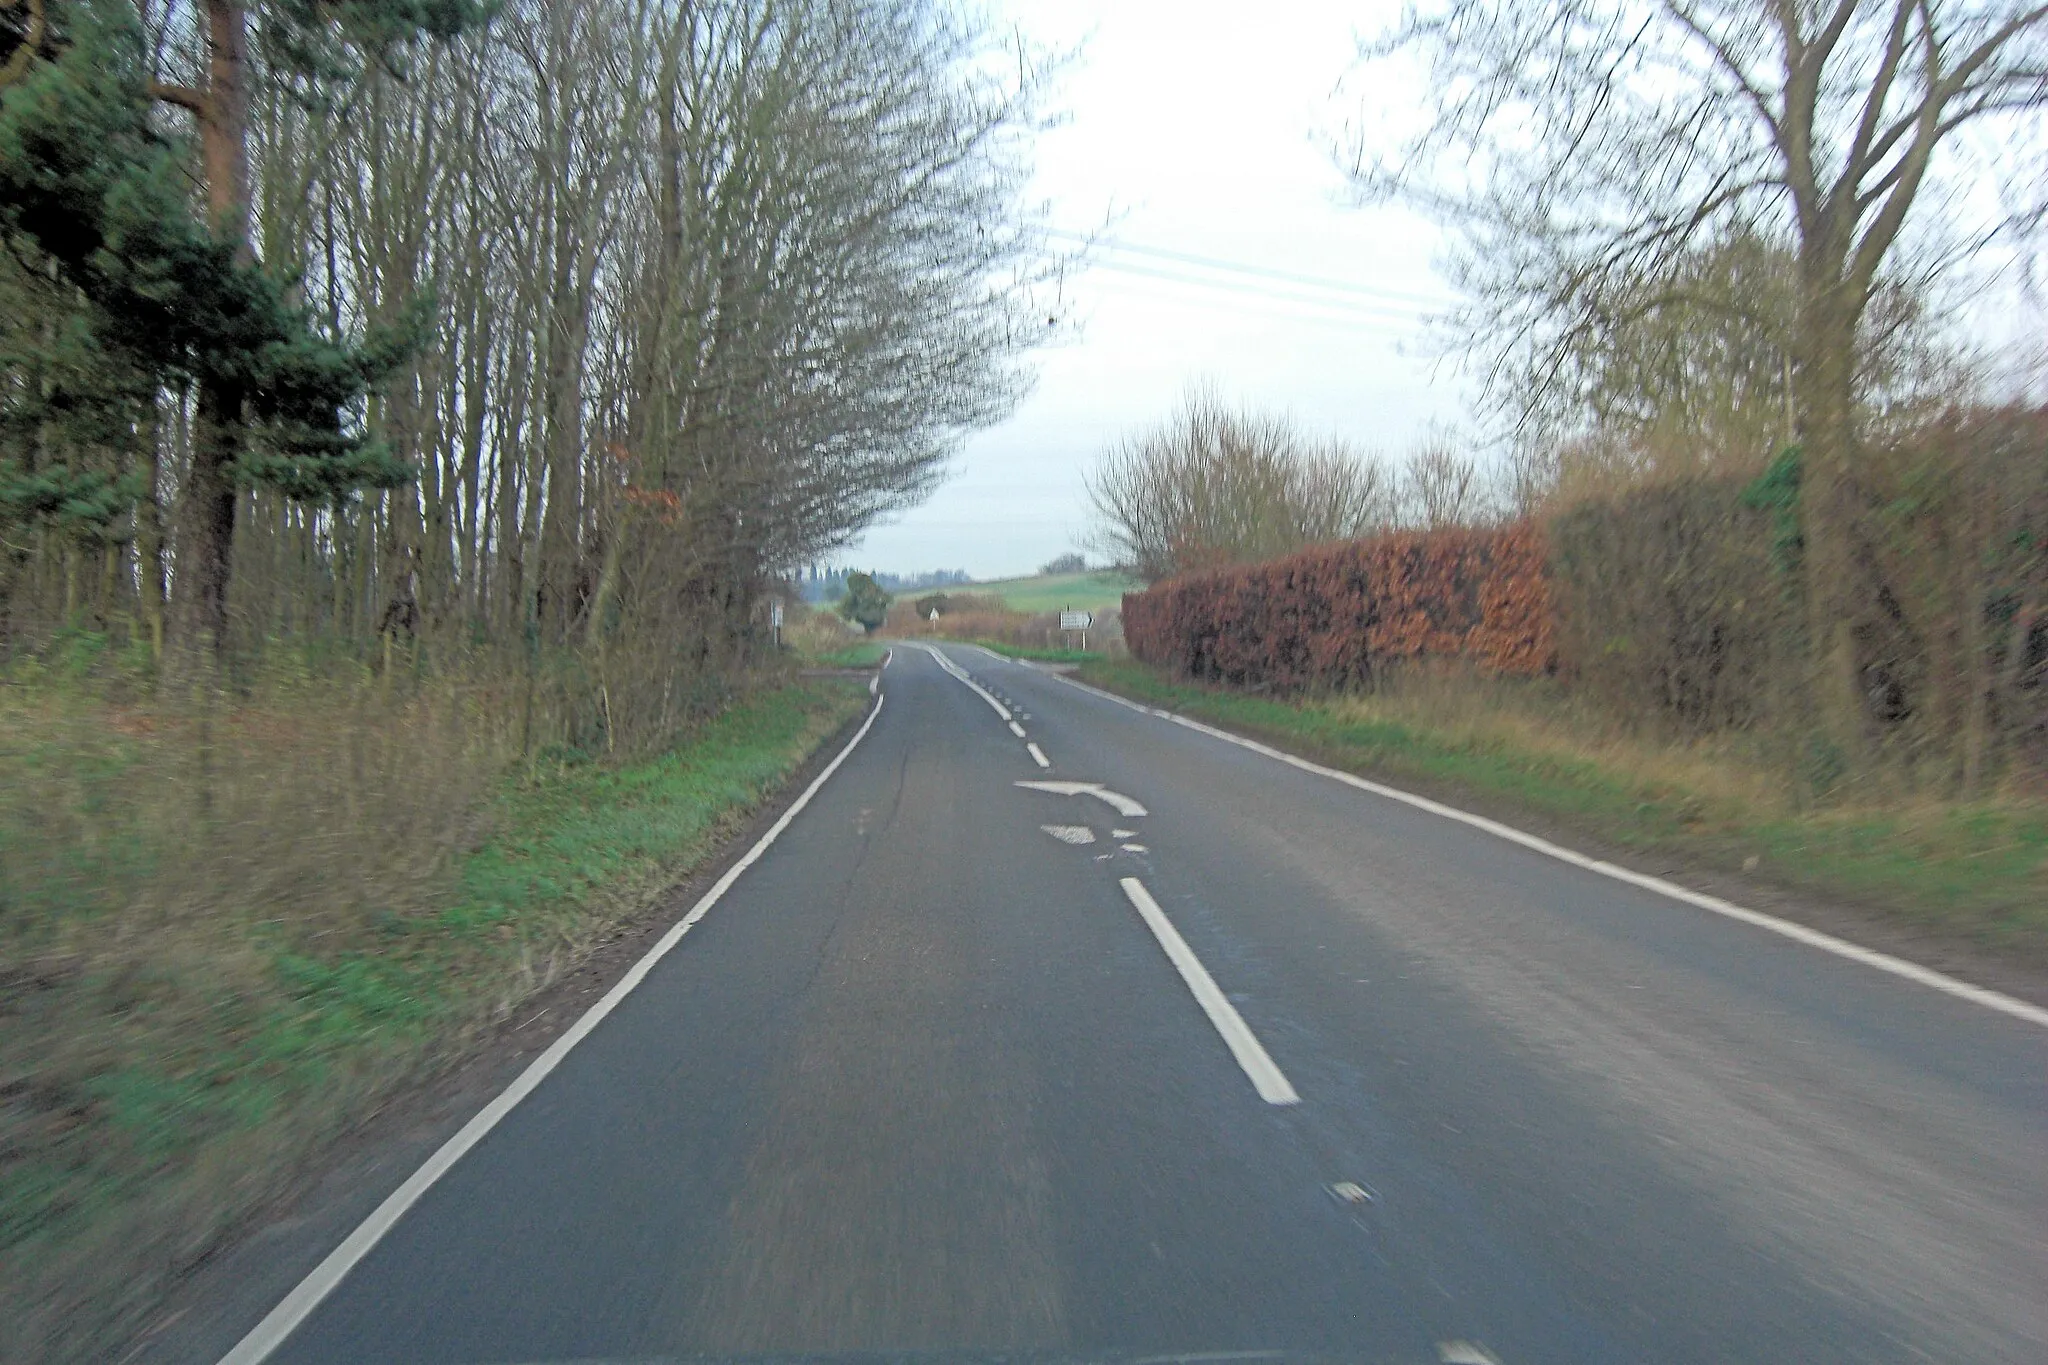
{"x": 1481, "y": 714}
{"x": 816, "y": 630}
{"x": 160, "y": 862}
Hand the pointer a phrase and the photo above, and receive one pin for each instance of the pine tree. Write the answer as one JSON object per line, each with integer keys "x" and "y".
{"x": 89, "y": 186}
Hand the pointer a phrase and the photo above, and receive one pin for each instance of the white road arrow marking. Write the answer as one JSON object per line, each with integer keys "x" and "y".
{"x": 1123, "y": 805}
{"x": 1465, "y": 1353}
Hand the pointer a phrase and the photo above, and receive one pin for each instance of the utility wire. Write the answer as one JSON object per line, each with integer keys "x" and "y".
{"x": 1335, "y": 309}
{"x": 1243, "y": 268}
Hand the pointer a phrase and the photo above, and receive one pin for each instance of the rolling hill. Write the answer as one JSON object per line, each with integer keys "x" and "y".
{"x": 1091, "y": 591}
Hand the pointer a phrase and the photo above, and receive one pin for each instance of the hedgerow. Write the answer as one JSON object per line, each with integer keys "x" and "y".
{"x": 1337, "y": 615}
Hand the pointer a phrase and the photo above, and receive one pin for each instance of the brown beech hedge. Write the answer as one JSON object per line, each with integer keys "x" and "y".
{"x": 1337, "y": 615}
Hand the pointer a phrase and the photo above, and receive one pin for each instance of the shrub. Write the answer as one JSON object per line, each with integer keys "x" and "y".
{"x": 865, "y": 603}
{"x": 1677, "y": 599}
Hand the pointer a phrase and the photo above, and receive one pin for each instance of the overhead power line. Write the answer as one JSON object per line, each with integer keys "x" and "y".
{"x": 1263, "y": 272}
{"x": 1344, "y": 310}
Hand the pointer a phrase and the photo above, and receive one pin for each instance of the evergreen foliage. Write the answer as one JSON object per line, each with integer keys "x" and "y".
{"x": 95, "y": 199}
{"x": 865, "y": 602}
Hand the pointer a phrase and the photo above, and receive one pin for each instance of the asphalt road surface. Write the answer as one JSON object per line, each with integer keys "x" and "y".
{"x": 965, "y": 1066}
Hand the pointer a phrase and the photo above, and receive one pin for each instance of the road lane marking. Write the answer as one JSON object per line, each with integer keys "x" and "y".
{"x": 1123, "y": 805}
{"x": 1266, "y": 1078}
{"x": 1038, "y": 756}
{"x": 1070, "y": 834}
{"x": 1016, "y": 729}
{"x": 961, "y": 674}
{"x": 1812, "y": 938}
{"x": 1465, "y": 1353}
{"x": 267, "y": 1335}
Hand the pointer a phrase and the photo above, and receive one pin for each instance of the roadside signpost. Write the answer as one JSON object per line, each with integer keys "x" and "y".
{"x": 1077, "y": 620}
{"x": 775, "y": 622}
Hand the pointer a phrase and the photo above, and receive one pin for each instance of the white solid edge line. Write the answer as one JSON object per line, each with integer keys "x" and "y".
{"x": 1038, "y": 756}
{"x": 1813, "y": 938}
{"x": 1006, "y": 659}
{"x": 1266, "y": 1078}
{"x": 267, "y": 1335}
{"x": 961, "y": 674}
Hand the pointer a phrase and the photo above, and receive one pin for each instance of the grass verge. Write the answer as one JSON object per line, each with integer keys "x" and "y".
{"x": 1044, "y": 656}
{"x": 866, "y": 654}
{"x": 1974, "y": 873}
{"x": 181, "y": 1036}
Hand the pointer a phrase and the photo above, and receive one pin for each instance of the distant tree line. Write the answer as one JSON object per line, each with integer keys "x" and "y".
{"x": 818, "y": 584}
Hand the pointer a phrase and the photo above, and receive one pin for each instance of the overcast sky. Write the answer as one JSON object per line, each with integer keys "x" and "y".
{"x": 1197, "y": 129}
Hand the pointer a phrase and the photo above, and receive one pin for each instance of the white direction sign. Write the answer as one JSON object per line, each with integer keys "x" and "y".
{"x": 1076, "y": 620}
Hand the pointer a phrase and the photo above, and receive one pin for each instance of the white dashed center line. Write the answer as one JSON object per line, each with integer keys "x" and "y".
{"x": 1038, "y": 756}
{"x": 1266, "y": 1077}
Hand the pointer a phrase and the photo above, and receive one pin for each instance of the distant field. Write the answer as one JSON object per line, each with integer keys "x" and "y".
{"x": 1060, "y": 592}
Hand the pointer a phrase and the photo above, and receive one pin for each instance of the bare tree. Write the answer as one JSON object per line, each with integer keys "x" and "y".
{"x": 1442, "y": 486}
{"x": 1213, "y": 485}
{"x": 1584, "y": 150}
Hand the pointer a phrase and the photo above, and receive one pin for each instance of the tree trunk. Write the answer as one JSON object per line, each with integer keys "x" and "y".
{"x": 206, "y": 545}
{"x": 206, "y": 550}
{"x": 224, "y": 125}
{"x": 149, "y": 537}
{"x": 1825, "y": 380}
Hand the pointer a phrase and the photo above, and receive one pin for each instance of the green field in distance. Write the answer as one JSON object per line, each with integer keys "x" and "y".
{"x": 1059, "y": 592}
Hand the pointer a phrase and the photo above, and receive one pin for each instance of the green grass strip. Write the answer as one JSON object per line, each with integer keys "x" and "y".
{"x": 1044, "y": 656}
{"x": 866, "y": 654}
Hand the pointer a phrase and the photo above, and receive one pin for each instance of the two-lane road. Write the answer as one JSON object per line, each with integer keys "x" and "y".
{"x": 962, "y": 1063}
